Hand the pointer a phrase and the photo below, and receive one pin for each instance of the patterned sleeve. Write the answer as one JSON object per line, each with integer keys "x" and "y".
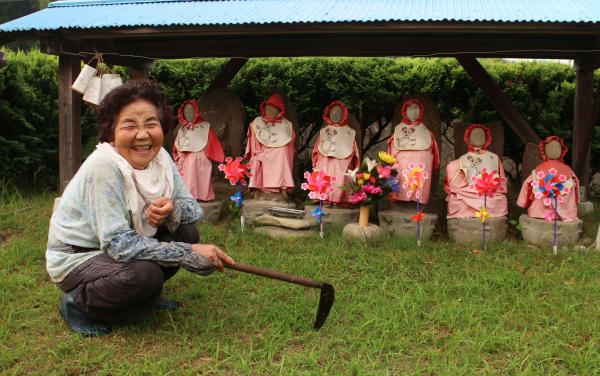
{"x": 186, "y": 208}
{"x": 103, "y": 198}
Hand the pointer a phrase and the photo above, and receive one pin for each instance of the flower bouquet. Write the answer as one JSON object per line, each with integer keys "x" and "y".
{"x": 237, "y": 172}
{"x": 370, "y": 182}
{"x": 319, "y": 186}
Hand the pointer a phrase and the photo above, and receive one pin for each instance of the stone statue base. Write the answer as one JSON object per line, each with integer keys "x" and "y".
{"x": 211, "y": 211}
{"x": 468, "y": 230}
{"x": 399, "y": 223}
{"x": 353, "y": 231}
{"x": 280, "y": 232}
{"x": 336, "y": 216}
{"x": 254, "y": 208}
{"x": 541, "y": 233}
{"x": 291, "y": 223}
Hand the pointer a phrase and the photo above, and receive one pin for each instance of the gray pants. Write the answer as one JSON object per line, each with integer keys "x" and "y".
{"x": 112, "y": 291}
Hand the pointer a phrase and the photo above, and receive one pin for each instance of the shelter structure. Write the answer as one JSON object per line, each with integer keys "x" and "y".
{"x": 134, "y": 33}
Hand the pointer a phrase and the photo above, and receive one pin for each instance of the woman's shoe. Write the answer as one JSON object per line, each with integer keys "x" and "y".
{"x": 77, "y": 320}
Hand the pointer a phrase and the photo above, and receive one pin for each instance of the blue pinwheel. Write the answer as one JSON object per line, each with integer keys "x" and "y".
{"x": 317, "y": 213}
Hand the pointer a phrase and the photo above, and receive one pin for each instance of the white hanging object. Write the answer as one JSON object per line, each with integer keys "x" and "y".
{"x": 83, "y": 80}
{"x": 108, "y": 83}
{"x": 92, "y": 93}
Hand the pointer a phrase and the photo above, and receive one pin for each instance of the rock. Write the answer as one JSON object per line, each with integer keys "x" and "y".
{"x": 400, "y": 223}
{"x": 279, "y": 232}
{"x": 598, "y": 240}
{"x": 585, "y": 208}
{"x": 335, "y": 216}
{"x": 541, "y": 233}
{"x": 291, "y": 223}
{"x": 255, "y": 208}
{"x": 212, "y": 211}
{"x": 531, "y": 158}
{"x": 352, "y": 231}
{"x": 468, "y": 230}
{"x": 510, "y": 167}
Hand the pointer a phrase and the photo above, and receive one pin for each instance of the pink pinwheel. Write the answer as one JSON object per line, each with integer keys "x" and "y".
{"x": 235, "y": 171}
{"x": 414, "y": 176}
{"x": 549, "y": 185}
{"x": 487, "y": 183}
{"x": 319, "y": 184}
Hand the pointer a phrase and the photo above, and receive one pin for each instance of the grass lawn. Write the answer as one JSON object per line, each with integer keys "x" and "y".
{"x": 441, "y": 309}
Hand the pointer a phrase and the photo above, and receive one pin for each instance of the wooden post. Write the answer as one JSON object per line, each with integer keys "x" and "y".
{"x": 228, "y": 72}
{"x": 69, "y": 119}
{"x": 499, "y": 100}
{"x": 583, "y": 122}
{"x": 139, "y": 73}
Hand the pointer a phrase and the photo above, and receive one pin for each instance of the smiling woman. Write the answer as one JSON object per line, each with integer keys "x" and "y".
{"x": 125, "y": 223}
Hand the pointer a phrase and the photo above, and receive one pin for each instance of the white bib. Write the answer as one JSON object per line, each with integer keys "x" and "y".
{"x": 192, "y": 140}
{"x": 411, "y": 137}
{"x": 273, "y": 135}
{"x": 336, "y": 142}
{"x": 473, "y": 163}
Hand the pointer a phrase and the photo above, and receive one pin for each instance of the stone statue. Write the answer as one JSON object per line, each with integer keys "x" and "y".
{"x": 270, "y": 148}
{"x": 552, "y": 151}
{"x": 336, "y": 149}
{"x": 195, "y": 146}
{"x": 413, "y": 142}
{"x": 463, "y": 202}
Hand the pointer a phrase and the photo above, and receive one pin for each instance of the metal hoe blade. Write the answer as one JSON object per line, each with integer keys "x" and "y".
{"x": 325, "y": 304}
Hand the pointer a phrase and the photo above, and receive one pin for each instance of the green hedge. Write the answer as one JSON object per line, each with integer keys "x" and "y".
{"x": 543, "y": 92}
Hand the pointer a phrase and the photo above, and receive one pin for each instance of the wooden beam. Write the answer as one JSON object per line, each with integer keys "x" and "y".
{"x": 69, "y": 119}
{"x": 499, "y": 100}
{"x": 228, "y": 72}
{"x": 583, "y": 124}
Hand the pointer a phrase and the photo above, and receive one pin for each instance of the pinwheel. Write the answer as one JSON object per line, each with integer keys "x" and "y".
{"x": 485, "y": 184}
{"x": 549, "y": 187}
{"x": 236, "y": 172}
{"x": 319, "y": 185}
{"x": 414, "y": 176}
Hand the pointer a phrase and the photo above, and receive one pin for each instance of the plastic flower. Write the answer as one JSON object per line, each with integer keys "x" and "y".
{"x": 486, "y": 183}
{"x": 319, "y": 184}
{"x": 483, "y": 214}
{"x": 358, "y": 197}
{"x": 549, "y": 215}
{"x": 414, "y": 176}
{"x": 352, "y": 174}
{"x": 235, "y": 171}
{"x": 384, "y": 172}
{"x": 387, "y": 158}
{"x": 392, "y": 182}
{"x": 370, "y": 164}
{"x": 238, "y": 198}
{"x": 418, "y": 217}
{"x": 372, "y": 189}
{"x": 317, "y": 213}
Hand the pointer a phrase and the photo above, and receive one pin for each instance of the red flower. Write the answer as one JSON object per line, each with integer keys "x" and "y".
{"x": 418, "y": 217}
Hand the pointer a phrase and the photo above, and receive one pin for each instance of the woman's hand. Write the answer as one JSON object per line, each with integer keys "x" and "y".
{"x": 158, "y": 210}
{"x": 214, "y": 254}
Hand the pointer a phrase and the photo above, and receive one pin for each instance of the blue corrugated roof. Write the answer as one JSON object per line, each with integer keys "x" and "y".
{"x": 93, "y": 14}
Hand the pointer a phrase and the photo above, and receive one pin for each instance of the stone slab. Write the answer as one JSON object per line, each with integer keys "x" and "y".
{"x": 255, "y": 208}
{"x": 541, "y": 233}
{"x": 279, "y": 232}
{"x": 400, "y": 223}
{"x": 585, "y": 208}
{"x": 291, "y": 223}
{"x": 598, "y": 240}
{"x": 211, "y": 211}
{"x": 335, "y": 216}
{"x": 353, "y": 231}
{"x": 468, "y": 230}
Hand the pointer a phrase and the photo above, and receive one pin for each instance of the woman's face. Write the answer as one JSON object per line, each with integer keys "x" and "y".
{"x": 138, "y": 134}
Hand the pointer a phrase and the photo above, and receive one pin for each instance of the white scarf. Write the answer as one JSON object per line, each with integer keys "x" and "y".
{"x": 143, "y": 186}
